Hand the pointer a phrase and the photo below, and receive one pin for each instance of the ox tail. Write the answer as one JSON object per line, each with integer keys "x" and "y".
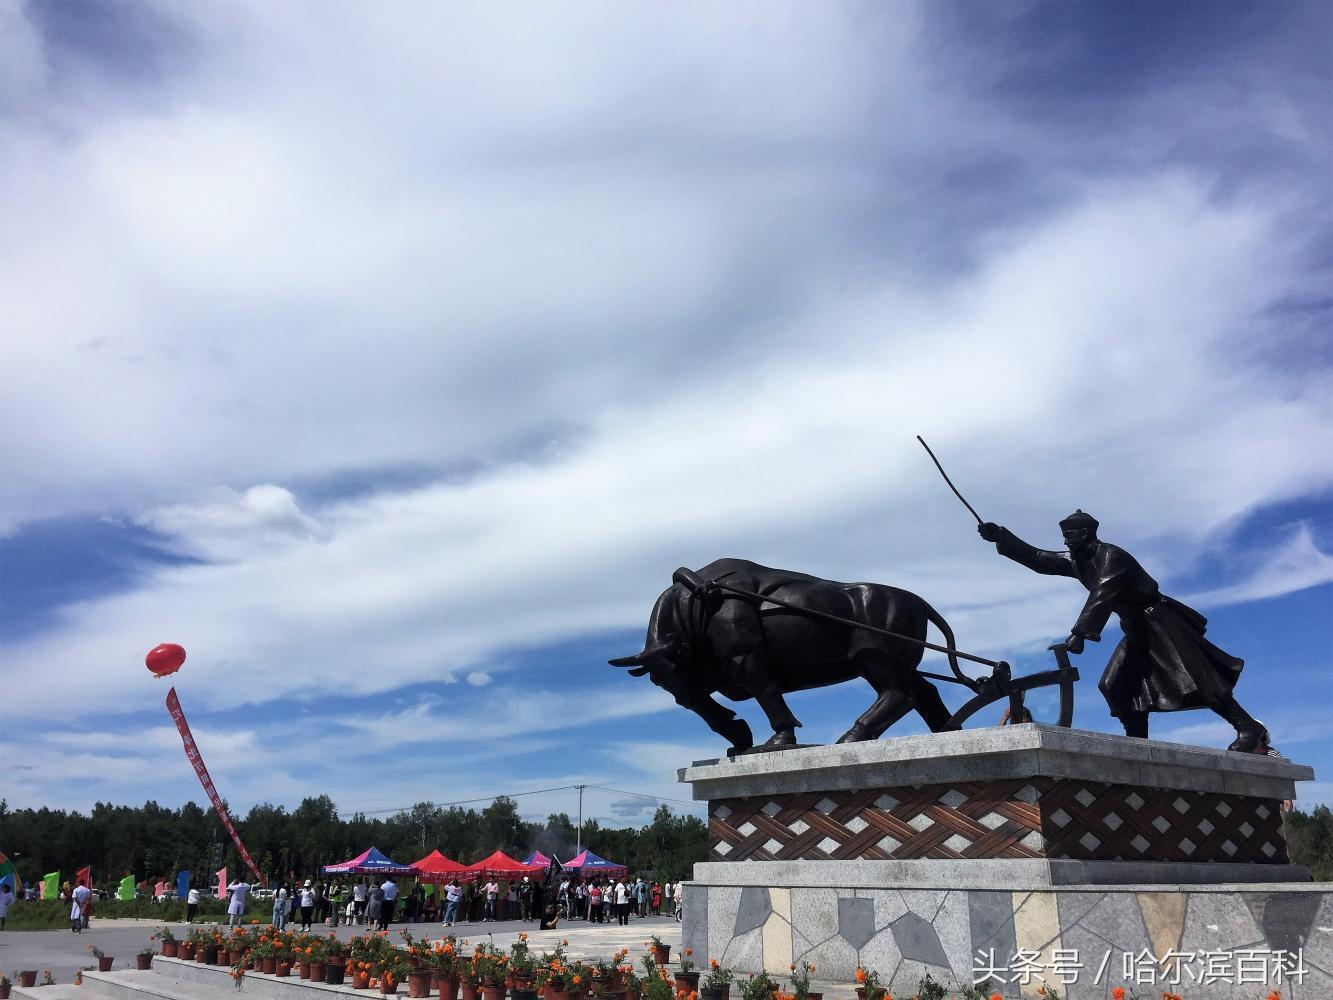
{"x": 937, "y": 619}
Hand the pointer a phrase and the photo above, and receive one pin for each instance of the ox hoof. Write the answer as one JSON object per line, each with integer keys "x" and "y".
{"x": 782, "y": 738}
{"x": 854, "y": 735}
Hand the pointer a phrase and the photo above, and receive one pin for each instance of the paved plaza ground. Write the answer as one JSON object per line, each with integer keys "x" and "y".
{"x": 64, "y": 952}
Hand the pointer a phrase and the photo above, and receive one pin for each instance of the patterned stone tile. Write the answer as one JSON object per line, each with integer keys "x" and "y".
{"x": 952, "y": 924}
{"x": 856, "y": 921}
{"x": 814, "y": 913}
{"x": 746, "y": 951}
{"x": 924, "y": 901}
{"x": 918, "y": 941}
{"x": 753, "y": 909}
{"x": 889, "y": 905}
{"x": 723, "y": 902}
{"x": 833, "y": 959}
{"x": 1216, "y": 920}
{"x": 694, "y": 919}
{"x": 1319, "y": 947}
{"x": 881, "y": 953}
{"x": 1116, "y": 919}
{"x": 990, "y": 917}
{"x": 1164, "y": 917}
{"x": 1288, "y": 919}
{"x": 777, "y": 933}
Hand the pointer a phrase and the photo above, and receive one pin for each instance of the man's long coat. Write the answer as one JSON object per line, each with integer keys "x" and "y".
{"x": 1164, "y": 663}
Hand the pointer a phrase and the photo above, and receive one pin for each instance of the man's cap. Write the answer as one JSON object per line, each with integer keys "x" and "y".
{"x": 1079, "y": 519}
{"x": 307, "y": 882}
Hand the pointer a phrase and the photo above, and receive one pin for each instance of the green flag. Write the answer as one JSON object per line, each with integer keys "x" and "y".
{"x": 51, "y": 885}
{"x": 126, "y": 890}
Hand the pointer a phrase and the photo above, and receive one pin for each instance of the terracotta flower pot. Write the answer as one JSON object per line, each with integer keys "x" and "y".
{"x": 268, "y": 965}
{"x": 388, "y": 986}
{"x": 304, "y": 969}
{"x": 28, "y": 977}
{"x": 468, "y": 991}
{"x": 448, "y": 987}
{"x": 360, "y": 980}
{"x": 284, "y": 970}
{"x": 200, "y": 953}
{"x": 661, "y": 953}
{"x": 186, "y": 951}
{"x": 104, "y": 963}
{"x": 317, "y": 972}
{"x": 687, "y": 981}
{"x": 143, "y": 962}
{"x": 492, "y": 993}
{"x": 4, "y": 990}
{"x": 418, "y": 983}
{"x": 170, "y": 949}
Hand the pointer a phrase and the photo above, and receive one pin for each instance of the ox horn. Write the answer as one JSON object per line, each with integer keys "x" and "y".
{"x": 668, "y": 648}
{"x": 630, "y": 661}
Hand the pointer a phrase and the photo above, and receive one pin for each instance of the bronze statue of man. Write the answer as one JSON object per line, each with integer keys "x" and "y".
{"x": 1163, "y": 663}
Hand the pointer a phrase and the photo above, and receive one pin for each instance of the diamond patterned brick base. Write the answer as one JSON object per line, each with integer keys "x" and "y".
{"x": 1039, "y": 817}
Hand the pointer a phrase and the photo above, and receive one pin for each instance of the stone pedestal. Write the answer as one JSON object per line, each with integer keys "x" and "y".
{"x": 911, "y": 854}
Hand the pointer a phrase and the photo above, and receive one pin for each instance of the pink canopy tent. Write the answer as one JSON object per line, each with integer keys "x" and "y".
{"x": 501, "y": 865}
{"x": 436, "y": 869}
{"x": 537, "y": 858}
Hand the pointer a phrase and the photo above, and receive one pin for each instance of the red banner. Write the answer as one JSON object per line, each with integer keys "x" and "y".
{"x": 197, "y": 762}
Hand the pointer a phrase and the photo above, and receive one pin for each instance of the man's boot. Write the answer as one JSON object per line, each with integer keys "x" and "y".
{"x": 1251, "y": 736}
{"x": 1136, "y": 724}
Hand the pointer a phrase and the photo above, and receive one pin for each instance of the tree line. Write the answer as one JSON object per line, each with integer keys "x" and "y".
{"x": 153, "y": 842}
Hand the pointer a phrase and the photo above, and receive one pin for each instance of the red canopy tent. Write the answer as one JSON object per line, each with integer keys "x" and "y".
{"x": 501, "y": 865}
{"x": 436, "y": 869}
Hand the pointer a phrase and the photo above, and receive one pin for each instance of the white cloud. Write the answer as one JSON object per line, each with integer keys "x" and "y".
{"x": 664, "y": 285}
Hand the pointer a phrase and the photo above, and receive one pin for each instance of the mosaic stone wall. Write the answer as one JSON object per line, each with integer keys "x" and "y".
{"x": 905, "y": 933}
{"x": 1037, "y": 817}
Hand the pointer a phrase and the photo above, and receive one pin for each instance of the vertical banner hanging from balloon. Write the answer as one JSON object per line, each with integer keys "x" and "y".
{"x": 197, "y": 762}
{"x": 183, "y": 885}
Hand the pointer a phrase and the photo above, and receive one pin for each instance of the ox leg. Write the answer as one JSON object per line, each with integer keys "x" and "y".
{"x": 723, "y": 721}
{"x": 894, "y": 701}
{"x": 758, "y": 680}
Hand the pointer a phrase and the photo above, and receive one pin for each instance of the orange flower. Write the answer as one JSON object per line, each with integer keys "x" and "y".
{"x": 712, "y": 963}
{"x": 1118, "y": 993}
{"x": 689, "y": 951}
{"x": 576, "y": 980}
{"x": 792, "y": 967}
{"x": 860, "y": 974}
{"x": 1275, "y": 995}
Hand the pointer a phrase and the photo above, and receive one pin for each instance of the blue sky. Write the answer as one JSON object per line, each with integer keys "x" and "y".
{"x": 390, "y": 359}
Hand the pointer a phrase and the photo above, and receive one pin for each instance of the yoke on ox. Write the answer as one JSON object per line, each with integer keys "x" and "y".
{"x": 742, "y": 630}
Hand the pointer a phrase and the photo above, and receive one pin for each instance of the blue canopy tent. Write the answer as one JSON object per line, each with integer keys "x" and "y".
{"x": 372, "y": 862}
{"x": 589, "y": 864}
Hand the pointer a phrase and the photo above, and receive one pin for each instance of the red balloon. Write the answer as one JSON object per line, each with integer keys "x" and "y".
{"x": 165, "y": 659}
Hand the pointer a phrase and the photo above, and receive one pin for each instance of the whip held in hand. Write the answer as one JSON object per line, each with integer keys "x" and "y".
{"x": 947, "y": 479}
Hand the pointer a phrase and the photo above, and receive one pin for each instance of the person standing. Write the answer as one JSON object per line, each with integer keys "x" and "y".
{"x": 492, "y": 894}
{"x": 666, "y": 892}
{"x": 280, "y": 907}
{"x": 453, "y": 894}
{"x": 374, "y": 905}
{"x": 79, "y": 897}
{"x": 595, "y": 903}
{"x": 307, "y": 905}
{"x": 191, "y": 904}
{"x": 390, "y": 890}
{"x": 359, "y": 900}
{"x": 622, "y": 903}
{"x": 525, "y": 899}
{"x": 680, "y": 899}
{"x": 6, "y": 900}
{"x": 321, "y": 904}
{"x": 237, "y": 893}
{"x": 1163, "y": 663}
{"x": 655, "y": 899}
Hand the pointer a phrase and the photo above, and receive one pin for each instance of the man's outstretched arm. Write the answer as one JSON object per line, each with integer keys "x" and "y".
{"x": 1039, "y": 560}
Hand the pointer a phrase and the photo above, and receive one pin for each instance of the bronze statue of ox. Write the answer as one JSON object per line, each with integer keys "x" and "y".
{"x": 704, "y": 641}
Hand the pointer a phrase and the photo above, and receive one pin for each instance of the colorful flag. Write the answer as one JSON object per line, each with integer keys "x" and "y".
{"x": 183, "y": 885}
{"x": 84, "y": 876}
{"x": 159, "y": 890}
{"x": 10, "y": 874}
{"x": 51, "y": 885}
{"x": 126, "y": 891}
{"x": 222, "y": 883}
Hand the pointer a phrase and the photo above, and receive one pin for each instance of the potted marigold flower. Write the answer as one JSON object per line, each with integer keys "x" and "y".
{"x": 661, "y": 950}
{"x": 687, "y": 979}
{"x": 717, "y": 984}
{"x": 867, "y": 985}
{"x": 392, "y": 969}
{"x": 170, "y": 946}
{"x": 444, "y": 961}
{"x": 6, "y": 984}
{"x": 104, "y": 961}
{"x": 800, "y": 981}
{"x": 758, "y": 987}
{"x": 144, "y": 960}
{"x": 656, "y": 982}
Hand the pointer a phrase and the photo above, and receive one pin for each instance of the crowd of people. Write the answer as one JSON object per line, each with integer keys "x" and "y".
{"x": 376, "y": 904}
